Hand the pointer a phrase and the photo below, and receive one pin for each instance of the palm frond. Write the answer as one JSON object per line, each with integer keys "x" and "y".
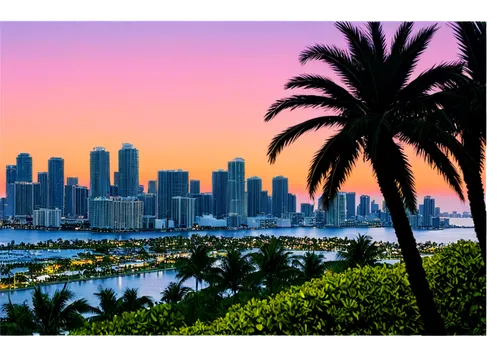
{"x": 340, "y": 61}
{"x": 301, "y": 101}
{"x": 378, "y": 41}
{"x": 291, "y": 134}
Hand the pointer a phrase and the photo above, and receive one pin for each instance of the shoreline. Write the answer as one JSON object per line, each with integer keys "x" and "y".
{"x": 85, "y": 279}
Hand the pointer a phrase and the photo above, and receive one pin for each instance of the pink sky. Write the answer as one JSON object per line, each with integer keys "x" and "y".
{"x": 187, "y": 95}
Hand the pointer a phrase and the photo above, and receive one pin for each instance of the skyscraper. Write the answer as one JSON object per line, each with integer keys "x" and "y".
{"x": 116, "y": 178}
{"x": 128, "y": 167}
{"x": 236, "y": 186}
{"x": 292, "y": 203}
{"x": 364, "y": 205}
{"x": 24, "y": 198}
{"x": 170, "y": 183}
{"x": 374, "y": 207}
{"x": 11, "y": 177}
{"x": 43, "y": 179}
{"x": 152, "y": 187}
{"x": 194, "y": 186}
{"x": 24, "y": 165}
{"x": 254, "y": 189}
{"x": 99, "y": 173}
{"x": 280, "y": 196}
{"x": 183, "y": 211}
{"x": 429, "y": 206}
{"x": 336, "y": 214}
{"x": 56, "y": 183}
{"x": 307, "y": 209}
{"x": 116, "y": 213}
{"x": 204, "y": 204}
{"x": 351, "y": 205}
{"x": 149, "y": 204}
{"x": 219, "y": 192}
{"x": 264, "y": 203}
{"x": 75, "y": 201}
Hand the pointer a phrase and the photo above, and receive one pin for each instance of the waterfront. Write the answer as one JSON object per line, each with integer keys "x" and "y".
{"x": 378, "y": 234}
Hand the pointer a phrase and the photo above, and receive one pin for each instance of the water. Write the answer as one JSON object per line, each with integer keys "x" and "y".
{"x": 378, "y": 234}
{"x": 29, "y": 255}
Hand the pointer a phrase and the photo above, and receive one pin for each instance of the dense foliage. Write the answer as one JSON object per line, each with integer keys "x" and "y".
{"x": 362, "y": 301}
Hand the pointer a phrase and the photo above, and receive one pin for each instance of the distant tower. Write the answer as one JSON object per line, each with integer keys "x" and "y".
{"x": 194, "y": 186}
{"x": 24, "y": 165}
{"x": 43, "y": 179}
{"x": 280, "y": 196}
{"x": 71, "y": 181}
{"x": 11, "y": 177}
{"x": 429, "y": 207}
{"x": 219, "y": 192}
{"x": 128, "y": 167}
{"x": 351, "y": 205}
{"x": 56, "y": 183}
{"x": 99, "y": 173}
{"x": 254, "y": 189}
{"x": 152, "y": 187}
{"x": 170, "y": 183}
{"x": 364, "y": 205}
{"x": 236, "y": 186}
{"x": 292, "y": 203}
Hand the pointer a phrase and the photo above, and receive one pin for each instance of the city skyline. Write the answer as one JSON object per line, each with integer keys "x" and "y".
{"x": 123, "y": 86}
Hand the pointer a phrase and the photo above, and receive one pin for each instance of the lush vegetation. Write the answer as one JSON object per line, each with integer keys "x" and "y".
{"x": 369, "y": 300}
{"x": 376, "y": 106}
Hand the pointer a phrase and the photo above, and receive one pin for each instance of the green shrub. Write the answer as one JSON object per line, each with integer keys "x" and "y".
{"x": 158, "y": 320}
{"x": 362, "y": 301}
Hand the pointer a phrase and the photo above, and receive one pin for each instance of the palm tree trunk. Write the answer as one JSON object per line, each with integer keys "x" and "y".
{"x": 433, "y": 322}
{"x": 475, "y": 194}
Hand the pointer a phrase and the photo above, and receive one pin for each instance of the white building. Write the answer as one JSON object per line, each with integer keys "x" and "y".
{"x": 116, "y": 213}
{"x": 210, "y": 221}
{"x": 183, "y": 210}
{"x": 47, "y": 218}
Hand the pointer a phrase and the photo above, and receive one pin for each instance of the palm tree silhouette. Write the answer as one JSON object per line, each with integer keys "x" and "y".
{"x": 109, "y": 305}
{"x": 274, "y": 266}
{"x": 360, "y": 251}
{"x": 311, "y": 265}
{"x": 175, "y": 292}
{"x": 19, "y": 320}
{"x": 197, "y": 265}
{"x": 131, "y": 301}
{"x": 374, "y": 113}
{"x": 233, "y": 272}
{"x": 56, "y": 314}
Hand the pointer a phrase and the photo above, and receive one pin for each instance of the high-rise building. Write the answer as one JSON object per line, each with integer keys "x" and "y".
{"x": 24, "y": 198}
{"x": 128, "y": 167}
{"x": 3, "y": 205}
{"x": 374, "y": 207}
{"x": 254, "y": 190}
{"x": 56, "y": 183}
{"x": 351, "y": 205}
{"x": 170, "y": 183}
{"x": 75, "y": 201}
{"x": 292, "y": 203}
{"x": 43, "y": 179}
{"x": 152, "y": 187}
{"x": 264, "y": 203}
{"x": 72, "y": 181}
{"x": 336, "y": 214}
{"x": 99, "y": 173}
{"x": 204, "y": 204}
{"x": 24, "y": 166}
{"x": 236, "y": 186}
{"x": 116, "y": 178}
{"x": 183, "y": 211}
{"x": 421, "y": 209}
{"x": 116, "y": 213}
{"x": 307, "y": 209}
{"x": 11, "y": 177}
{"x": 194, "y": 186}
{"x": 47, "y": 217}
{"x": 219, "y": 192}
{"x": 141, "y": 189}
{"x": 429, "y": 206}
{"x": 149, "y": 201}
{"x": 280, "y": 196}
{"x": 364, "y": 205}
{"x": 437, "y": 212}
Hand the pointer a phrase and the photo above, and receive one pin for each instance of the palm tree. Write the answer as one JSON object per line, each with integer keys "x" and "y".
{"x": 109, "y": 305}
{"x": 233, "y": 272}
{"x": 19, "y": 320}
{"x": 273, "y": 264}
{"x": 464, "y": 101}
{"x": 131, "y": 301}
{"x": 175, "y": 292}
{"x": 311, "y": 265}
{"x": 374, "y": 113}
{"x": 55, "y": 315}
{"x": 360, "y": 251}
{"x": 197, "y": 265}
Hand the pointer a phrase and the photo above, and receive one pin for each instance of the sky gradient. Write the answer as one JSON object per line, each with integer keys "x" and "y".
{"x": 188, "y": 95}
